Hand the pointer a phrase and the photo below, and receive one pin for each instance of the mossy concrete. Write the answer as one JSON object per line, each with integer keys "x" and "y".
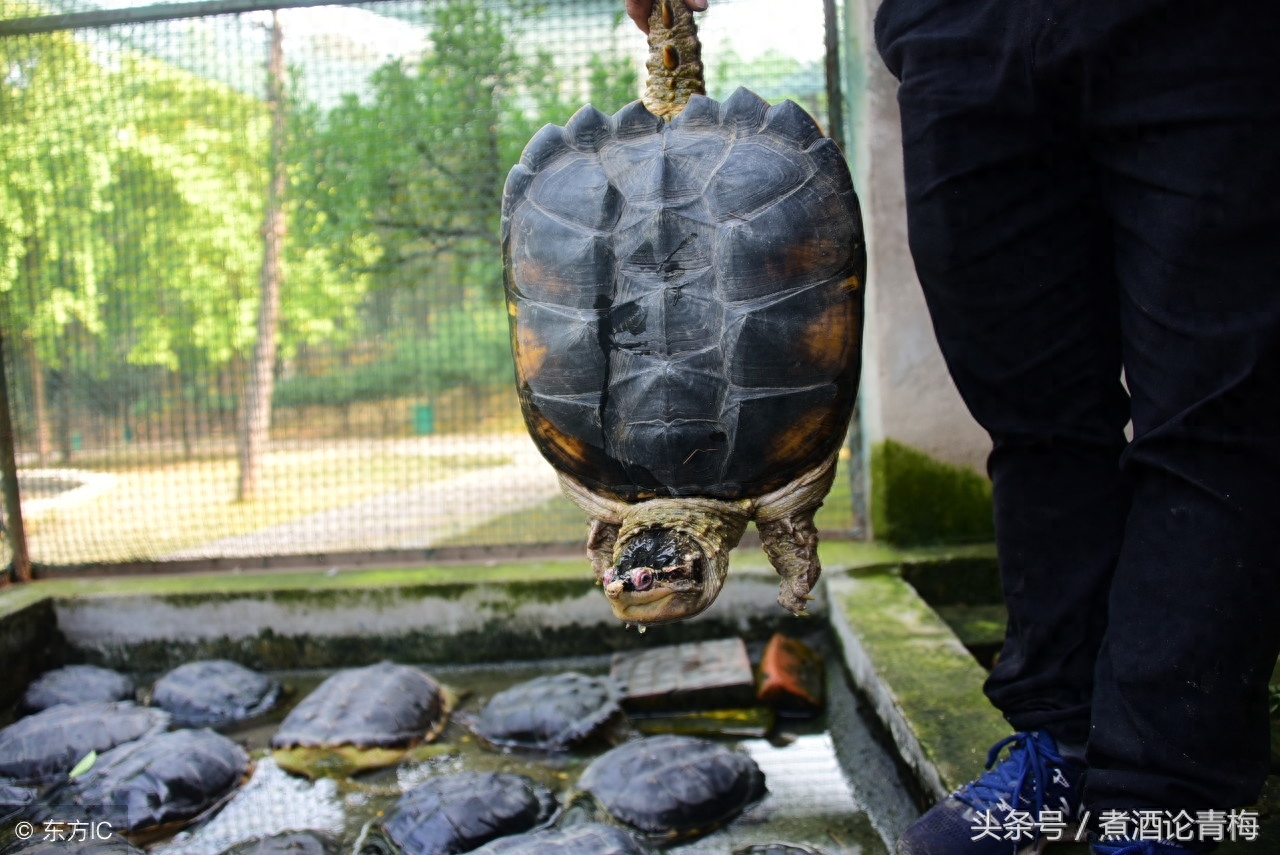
{"x": 922, "y": 682}
{"x": 29, "y": 644}
{"x": 917, "y": 500}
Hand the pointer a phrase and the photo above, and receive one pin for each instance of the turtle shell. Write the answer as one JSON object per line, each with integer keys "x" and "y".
{"x": 13, "y": 799}
{"x": 165, "y": 778}
{"x": 48, "y": 744}
{"x": 457, "y": 813}
{"x": 550, "y": 713}
{"x": 288, "y": 843}
{"x": 685, "y": 297}
{"x": 366, "y": 717}
{"x": 87, "y": 843}
{"x": 214, "y": 692}
{"x": 587, "y": 839}
{"x": 673, "y": 787}
{"x": 75, "y": 684}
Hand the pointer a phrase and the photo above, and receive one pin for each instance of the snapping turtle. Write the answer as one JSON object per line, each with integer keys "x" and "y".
{"x": 684, "y": 281}
{"x": 147, "y": 787}
{"x": 47, "y": 745}
{"x": 671, "y": 787}
{"x": 457, "y": 813}
{"x": 288, "y": 843}
{"x": 75, "y": 684}
{"x": 587, "y": 839}
{"x": 550, "y": 713}
{"x": 214, "y": 692}
{"x": 361, "y": 718}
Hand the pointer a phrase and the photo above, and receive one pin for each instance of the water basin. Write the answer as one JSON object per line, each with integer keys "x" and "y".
{"x": 832, "y": 786}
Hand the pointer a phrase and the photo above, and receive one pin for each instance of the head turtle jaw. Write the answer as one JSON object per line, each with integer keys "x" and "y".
{"x": 671, "y": 557}
{"x": 662, "y": 575}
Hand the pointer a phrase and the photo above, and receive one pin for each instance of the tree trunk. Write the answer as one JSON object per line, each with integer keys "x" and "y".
{"x": 255, "y": 409}
{"x": 39, "y": 404}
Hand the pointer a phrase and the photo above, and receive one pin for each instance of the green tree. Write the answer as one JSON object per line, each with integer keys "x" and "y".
{"x": 52, "y": 188}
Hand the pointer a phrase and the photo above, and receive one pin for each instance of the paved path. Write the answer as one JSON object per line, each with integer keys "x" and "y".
{"x": 415, "y": 518}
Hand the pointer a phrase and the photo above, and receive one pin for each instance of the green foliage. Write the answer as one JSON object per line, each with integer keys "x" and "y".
{"x": 773, "y": 76}
{"x": 53, "y": 186}
{"x": 916, "y": 500}
{"x": 466, "y": 346}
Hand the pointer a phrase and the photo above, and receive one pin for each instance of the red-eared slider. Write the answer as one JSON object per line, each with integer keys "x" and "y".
{"x": 361, "y": 718}
{"x": 551, "y": 713}
{"x": 47, "y": 745}
{"x": 214, "y": 692}
{"x": 75, "y": 684}
{"x": 457, "y": 813}
{"x": 587, "y": 839}
{"x": 670, "y": 788}
{"x": 289, "y": 843}
{"x": 151, "y": 785}
{"x": 685, "y": 299}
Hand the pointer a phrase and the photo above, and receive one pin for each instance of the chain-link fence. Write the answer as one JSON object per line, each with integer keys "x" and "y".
{"x": 250, "y": 280}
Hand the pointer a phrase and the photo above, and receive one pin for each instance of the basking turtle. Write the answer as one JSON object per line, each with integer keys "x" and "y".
{"x": 672, "y": 787}
{"x": 47, "y": 745}
{"x": 457, "y": 813}
{"x": 587, "y": 839}
{"x": 684, "y": 281}
{"x": 361, "y": 718}
{"x": 147, "y": 787}
{"x": 550, "y": 713}
{"x": 288, "y": 843}
{"x": 214, "y": 692}
{"x": 75, "y": 684}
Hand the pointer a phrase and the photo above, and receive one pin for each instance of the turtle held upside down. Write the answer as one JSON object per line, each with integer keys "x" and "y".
{"x": 685, "y": 281}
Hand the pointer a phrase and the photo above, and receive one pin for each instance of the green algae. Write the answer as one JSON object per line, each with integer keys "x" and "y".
{"x": 932, "y": 680}
{"x": 916, "y": 499}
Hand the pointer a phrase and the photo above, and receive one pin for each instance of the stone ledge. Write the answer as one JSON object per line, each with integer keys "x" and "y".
{"x": 923, "y": 684}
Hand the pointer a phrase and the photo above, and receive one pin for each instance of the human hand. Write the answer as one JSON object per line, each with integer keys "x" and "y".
{"x": 638, "y": 11}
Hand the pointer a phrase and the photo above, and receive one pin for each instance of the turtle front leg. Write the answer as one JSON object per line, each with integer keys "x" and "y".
{"x": 601, "y": 538}
{"x": 791, "y": 542}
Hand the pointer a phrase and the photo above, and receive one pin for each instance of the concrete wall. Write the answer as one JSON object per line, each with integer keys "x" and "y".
{"x": 907, "y": 394}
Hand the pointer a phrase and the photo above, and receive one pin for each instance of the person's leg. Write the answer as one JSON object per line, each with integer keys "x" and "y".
{"x": 1184, "y": 109}
{"x": 1010, "y": 246}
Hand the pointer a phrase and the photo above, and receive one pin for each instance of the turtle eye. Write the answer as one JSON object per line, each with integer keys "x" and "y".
{"x": 642, "y": 579}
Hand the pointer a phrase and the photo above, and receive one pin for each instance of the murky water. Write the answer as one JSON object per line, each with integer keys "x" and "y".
{"x": 838, "y": 808}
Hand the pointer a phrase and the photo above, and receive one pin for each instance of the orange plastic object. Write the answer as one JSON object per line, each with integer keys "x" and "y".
{"x": 790, "y": 677}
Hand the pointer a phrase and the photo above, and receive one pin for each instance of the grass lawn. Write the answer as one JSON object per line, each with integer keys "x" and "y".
{"x": 158, "y": 509}
{"x": 558, "y": 520}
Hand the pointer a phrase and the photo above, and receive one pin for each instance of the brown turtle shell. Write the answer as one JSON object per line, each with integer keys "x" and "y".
{"x": 685, "y": 297}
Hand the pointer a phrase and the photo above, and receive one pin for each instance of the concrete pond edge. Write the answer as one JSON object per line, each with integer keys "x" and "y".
{"x": 921, "y": 682}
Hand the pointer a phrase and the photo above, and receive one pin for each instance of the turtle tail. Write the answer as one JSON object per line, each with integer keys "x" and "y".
{"x": 675, "y": 59}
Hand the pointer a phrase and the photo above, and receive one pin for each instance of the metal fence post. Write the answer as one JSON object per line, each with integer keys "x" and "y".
{"x": 20, "y": 568}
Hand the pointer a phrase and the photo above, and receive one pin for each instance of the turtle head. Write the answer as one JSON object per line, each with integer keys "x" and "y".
{"x": 671, "y": 557}
{"x": 661, "y": 575}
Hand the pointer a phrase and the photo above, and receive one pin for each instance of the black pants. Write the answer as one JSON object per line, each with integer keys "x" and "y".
{"x": 1091, "y": 185}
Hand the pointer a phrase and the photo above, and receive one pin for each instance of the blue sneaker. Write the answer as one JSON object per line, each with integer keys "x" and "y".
{"x": 1028, "y": 798}
{"x": 1137, "y": 847}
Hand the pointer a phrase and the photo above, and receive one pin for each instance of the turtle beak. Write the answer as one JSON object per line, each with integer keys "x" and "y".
{"x": 652, "y": 595}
